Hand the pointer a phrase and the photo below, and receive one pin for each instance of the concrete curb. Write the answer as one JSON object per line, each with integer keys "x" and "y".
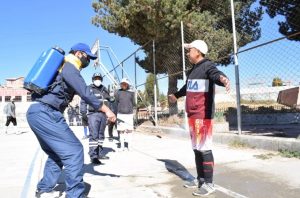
{"x": 259, "y": 142}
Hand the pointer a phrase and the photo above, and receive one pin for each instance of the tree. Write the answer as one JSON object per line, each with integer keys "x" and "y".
{"x": 163, "y": 100}
{"x": 149, "y": 88}
{"x": 145, "y": 20}
{"x": 290, "y": 9}
{"x": 141, "y": 100}
{"x": 277, "y": 82}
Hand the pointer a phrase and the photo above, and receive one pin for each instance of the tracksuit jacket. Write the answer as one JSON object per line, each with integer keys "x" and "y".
{"x": 199, "y": 89}
{"x": 69, "y": 82}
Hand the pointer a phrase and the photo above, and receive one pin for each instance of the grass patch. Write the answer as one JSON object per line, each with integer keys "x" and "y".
{"x": 238, "y": 144}
{"x": 171, "y": 120}
{"x": 289, "y": 154}
{"x": 265, "y": 156}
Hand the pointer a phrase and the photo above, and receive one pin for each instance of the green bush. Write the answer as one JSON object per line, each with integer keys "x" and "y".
{"x": 289, "y": 154}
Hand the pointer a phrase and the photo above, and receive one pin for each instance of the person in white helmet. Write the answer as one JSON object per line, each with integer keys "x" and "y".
{"x": 125, "y": 102}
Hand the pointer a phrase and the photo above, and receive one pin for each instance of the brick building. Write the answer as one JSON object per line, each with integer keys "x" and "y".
{"x": 13, "y": 88}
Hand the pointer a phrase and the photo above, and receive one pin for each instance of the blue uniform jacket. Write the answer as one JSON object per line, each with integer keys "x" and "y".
{"x": 102, "y": 95}
{"x": 68, "y": 82}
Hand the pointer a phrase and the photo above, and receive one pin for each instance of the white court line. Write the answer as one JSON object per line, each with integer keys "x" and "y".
{"x": 26, "y": 185}
{"x": 229, "y": 192}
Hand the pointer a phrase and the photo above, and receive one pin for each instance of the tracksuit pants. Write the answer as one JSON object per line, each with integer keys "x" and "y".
{"x": 63, "y": 148}
{"x": 10, "y": 119}
{"x": 201, "y": 138}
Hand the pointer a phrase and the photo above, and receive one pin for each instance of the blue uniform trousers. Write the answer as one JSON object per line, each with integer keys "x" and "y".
{"x": 97, "y": 124}
{"x": 62, "y": 147}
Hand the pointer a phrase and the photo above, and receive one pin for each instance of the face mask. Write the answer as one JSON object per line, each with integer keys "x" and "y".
{"x": 84, "y": 62}
{"x": 97, "y": 83}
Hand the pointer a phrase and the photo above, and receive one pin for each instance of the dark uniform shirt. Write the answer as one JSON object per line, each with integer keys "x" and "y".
{"x": 102, "y": 95}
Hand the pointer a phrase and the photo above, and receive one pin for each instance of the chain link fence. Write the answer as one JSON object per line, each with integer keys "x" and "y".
{"x": 266, "y": 36}
{"x": 269, "y": 65}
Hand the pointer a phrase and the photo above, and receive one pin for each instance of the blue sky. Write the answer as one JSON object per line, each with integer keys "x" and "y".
{"x": 32, "y": 26}
{"x": 259, "y": 66}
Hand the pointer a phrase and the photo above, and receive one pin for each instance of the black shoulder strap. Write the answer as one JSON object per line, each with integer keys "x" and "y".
{"x": 56, "y": 82}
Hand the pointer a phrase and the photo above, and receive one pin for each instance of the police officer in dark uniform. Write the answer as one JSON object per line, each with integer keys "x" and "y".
{"x": 70, "y": 112}
{"x": 45, "y": 118}
{"x": 96, "y": 120}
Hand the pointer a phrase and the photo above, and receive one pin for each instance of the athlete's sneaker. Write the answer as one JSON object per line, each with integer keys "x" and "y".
{"x": 191, "y": 184}
{"x": 205, "y": 190}
{"x": 51, "y": 194}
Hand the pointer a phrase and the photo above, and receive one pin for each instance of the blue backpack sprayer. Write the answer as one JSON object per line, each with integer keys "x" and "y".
{"x": 44, "y": 71}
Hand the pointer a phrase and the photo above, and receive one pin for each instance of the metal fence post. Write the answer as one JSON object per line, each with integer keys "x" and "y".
{"x": 237, "y": 78}
{"x": 135, "y": 83}
{"x": 183, "y": 73}
{"x": 155, "y": 88}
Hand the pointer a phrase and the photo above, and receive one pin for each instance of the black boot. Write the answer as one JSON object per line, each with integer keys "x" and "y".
{"x": 96, "y": 161}
{"x": 126, "y": 145}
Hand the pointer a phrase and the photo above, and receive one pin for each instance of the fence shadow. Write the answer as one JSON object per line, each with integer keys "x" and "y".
{"x": 178, "y": 169}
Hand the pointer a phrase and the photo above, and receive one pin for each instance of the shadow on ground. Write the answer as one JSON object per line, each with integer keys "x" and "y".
{"x": 88, "y": 168}
{"x": 178, "y": 169}
{"x": 288, "y": 131}
{"x": 106, "y": 150}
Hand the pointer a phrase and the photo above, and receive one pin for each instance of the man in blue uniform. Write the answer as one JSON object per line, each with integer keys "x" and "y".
{"x": 45, "y": 118}
{"x": 96, "y": 120}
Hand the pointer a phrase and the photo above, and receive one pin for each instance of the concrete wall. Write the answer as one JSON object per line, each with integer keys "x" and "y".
{"x": 251, "y": 93}
{"x": 263, "y": 119}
